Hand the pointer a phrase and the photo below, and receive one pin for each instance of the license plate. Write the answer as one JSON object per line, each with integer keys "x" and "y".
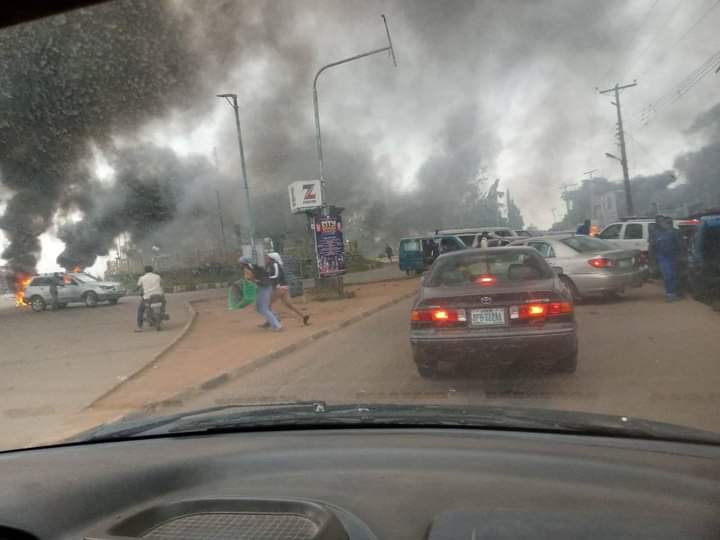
{"x": 487, "y": 317}
{"x": 624, "y": 263}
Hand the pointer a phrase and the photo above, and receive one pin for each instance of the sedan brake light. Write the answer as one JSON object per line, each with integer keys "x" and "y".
{"x": 601, "y": 262}
{"x": 540, "y": 310}
{"x": 486, "y": 280}
{"x": 438, "y": 316}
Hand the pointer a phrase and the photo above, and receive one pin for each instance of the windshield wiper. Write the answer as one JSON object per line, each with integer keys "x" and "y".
{"x": 317, "y": 414}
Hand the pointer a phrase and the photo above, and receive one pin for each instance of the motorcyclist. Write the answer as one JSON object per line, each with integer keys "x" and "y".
{"x": 150, "y": 285}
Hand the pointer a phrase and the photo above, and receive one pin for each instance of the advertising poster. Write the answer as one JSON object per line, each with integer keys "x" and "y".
{"x": 329, "y": 245}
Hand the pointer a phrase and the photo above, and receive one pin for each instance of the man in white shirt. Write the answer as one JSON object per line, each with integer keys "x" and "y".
{"x": 151, "y": 285}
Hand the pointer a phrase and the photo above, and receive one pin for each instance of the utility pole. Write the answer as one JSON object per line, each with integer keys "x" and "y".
{"x": 222, "y": 223}
{"x": 589, "y": 174}
{"x": 623, "y": 153}
{"x": 232, "y": 100}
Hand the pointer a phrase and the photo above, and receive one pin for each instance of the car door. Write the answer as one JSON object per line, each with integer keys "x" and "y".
{"x": 69, "y": 291}
{"x": 612, "y": 233}
{"x": 634, "y": 236}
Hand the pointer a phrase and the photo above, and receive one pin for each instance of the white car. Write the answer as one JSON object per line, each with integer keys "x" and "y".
{"x": 630, "y": 234}
{"x": 471, "y": 237}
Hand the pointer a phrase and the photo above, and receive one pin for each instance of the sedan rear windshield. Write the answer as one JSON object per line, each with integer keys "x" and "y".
{"x": 499, "y": 267}
{"x": 586, "y": 244}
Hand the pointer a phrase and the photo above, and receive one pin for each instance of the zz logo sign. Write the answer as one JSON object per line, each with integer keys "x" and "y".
{"x": 310, "y": 195}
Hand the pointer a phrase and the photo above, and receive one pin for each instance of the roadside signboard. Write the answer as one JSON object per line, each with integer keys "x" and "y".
{"x": 329, "y": 245}
{"x": 305, "y": 195}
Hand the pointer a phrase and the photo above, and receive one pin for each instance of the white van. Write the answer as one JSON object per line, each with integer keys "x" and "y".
{"x": 471, "y": 236}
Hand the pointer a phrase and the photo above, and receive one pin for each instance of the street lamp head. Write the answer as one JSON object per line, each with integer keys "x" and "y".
{"x": 226, "y": 95}
{"x": 612, "y": 156}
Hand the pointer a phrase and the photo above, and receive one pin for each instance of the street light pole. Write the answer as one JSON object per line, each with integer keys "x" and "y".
{"x": 232, "y": 100}
{"x": 318, "y": 136}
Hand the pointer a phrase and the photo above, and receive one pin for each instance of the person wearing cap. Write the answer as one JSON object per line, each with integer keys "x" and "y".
{"x": 259, "y": 276}
{"x": 281, "y": 291}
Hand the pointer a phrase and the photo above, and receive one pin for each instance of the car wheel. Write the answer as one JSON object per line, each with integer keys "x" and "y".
{"x": 427, "y": 368}
{"x": 113, "y": 301}
{"x": 37, "y": 303}
{"x": 91, "y": 299}
{"x": 568, "y": 364}
{"x": 574, "y": 293}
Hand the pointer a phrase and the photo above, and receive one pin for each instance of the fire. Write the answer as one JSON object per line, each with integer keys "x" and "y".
{"x": 77, "y": 269}
{"x": 22, "y": 280}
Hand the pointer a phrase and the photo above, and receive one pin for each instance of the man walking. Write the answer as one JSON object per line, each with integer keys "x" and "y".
{"x": 281, "y": 291}
{"x": 259, "y": 276}
{"x": 667, "y": 250}
{"x": 389, "y": 252}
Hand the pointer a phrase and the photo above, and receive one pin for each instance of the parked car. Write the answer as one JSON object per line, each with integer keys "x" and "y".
{"x": 73, "y": 287}
{"x": 417, "y": 253}
{"x": 630, "y": 234}
{"x": 704, "y": 261}
{"x": 495, "y": 304}
{"x": 589, "y": 266}
{"x": 471, "y": 236}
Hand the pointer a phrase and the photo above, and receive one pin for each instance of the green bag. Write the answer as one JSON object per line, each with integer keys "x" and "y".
{"x": 241, "y": 293}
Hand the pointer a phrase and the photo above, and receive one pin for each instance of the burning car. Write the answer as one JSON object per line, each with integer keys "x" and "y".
{"x": 73, "y": 287}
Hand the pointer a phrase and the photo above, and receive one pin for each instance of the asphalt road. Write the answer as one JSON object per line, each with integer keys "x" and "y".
{"x": 639, "y": 357}
{"x": 54, "y": 364}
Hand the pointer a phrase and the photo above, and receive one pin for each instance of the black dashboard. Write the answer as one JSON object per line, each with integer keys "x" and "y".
{"x": 363, "y": 484}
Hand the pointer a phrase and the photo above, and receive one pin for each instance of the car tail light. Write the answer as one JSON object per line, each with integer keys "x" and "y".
{"x": 438, "y": 316}
{"x": 601, "y": 262}
{"x": 540, "y": 310}
{"x": 486, "y": 280}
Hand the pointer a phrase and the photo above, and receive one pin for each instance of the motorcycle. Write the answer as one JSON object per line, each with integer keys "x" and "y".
{"x": 155, "y": 314}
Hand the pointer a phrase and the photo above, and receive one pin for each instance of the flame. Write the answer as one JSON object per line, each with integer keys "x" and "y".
{"x": 67, "y": 279}
{"x": 22, "y": 280}
{"x": 77, "y": 269}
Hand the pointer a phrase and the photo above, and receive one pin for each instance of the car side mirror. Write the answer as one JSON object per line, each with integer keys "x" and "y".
{"x": 557, "y": 270}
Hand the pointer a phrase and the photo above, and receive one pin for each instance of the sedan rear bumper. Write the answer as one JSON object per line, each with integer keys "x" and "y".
{"x": 606, "y": 282}
{"x": 547, "y": 344}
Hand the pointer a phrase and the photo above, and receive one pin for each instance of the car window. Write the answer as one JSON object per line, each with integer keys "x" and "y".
{"x": 39, "y": 282}
{"x": 586, "y": 244}
{"x": 410, "y": 245}
{"x": 612, "y": 232}
{"x": 633, "y": 231}
{"x": 468, "y": 239}
{"x": 543, "y": 248}
{"x": 503, "y": 232}
{"x": 503, "y": 266}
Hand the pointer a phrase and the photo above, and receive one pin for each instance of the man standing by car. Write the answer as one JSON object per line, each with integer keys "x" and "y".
{"x": 150, "y": 284}
{"x": 584, "y": 228}
{"x": 667, "y": 247}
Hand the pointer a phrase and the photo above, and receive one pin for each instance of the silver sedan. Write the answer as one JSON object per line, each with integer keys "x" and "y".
{"x": 589, "y": 266}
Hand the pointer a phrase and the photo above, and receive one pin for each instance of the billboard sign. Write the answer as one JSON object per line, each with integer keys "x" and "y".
{"x": 305, "y": 195}
{"x": 329, "y": 245}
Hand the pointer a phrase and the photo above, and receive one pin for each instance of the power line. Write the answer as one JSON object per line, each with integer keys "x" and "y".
{"x": 649, "y": 112}
{"x": 647, "y": 153}
{"x": 634, "y": 35}
{"x": 650, "y": 41}
{"x": 685, "y": 34}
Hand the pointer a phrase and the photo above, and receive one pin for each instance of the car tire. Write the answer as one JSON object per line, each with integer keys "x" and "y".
{"x": 568, "y": 364}
{"x": 574, "y": 293}
{"x": 38, "y": 304}
{"x": 91, "y": 299}
{"x": 427, "y": 368}
{"x": 113, "y": 301}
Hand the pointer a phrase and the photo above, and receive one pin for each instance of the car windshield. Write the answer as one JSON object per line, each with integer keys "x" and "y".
{"x": 586, "y": 244}
{"x": 500, "y": 266}
{"x": 236, "y": 202}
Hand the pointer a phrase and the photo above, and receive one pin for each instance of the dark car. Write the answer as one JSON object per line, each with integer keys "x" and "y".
{"x": 498, "y": 304}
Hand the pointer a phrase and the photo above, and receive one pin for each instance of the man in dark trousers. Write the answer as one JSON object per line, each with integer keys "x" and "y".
{"x": 667, "y": 248}
{"x": 389, "y": 252}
